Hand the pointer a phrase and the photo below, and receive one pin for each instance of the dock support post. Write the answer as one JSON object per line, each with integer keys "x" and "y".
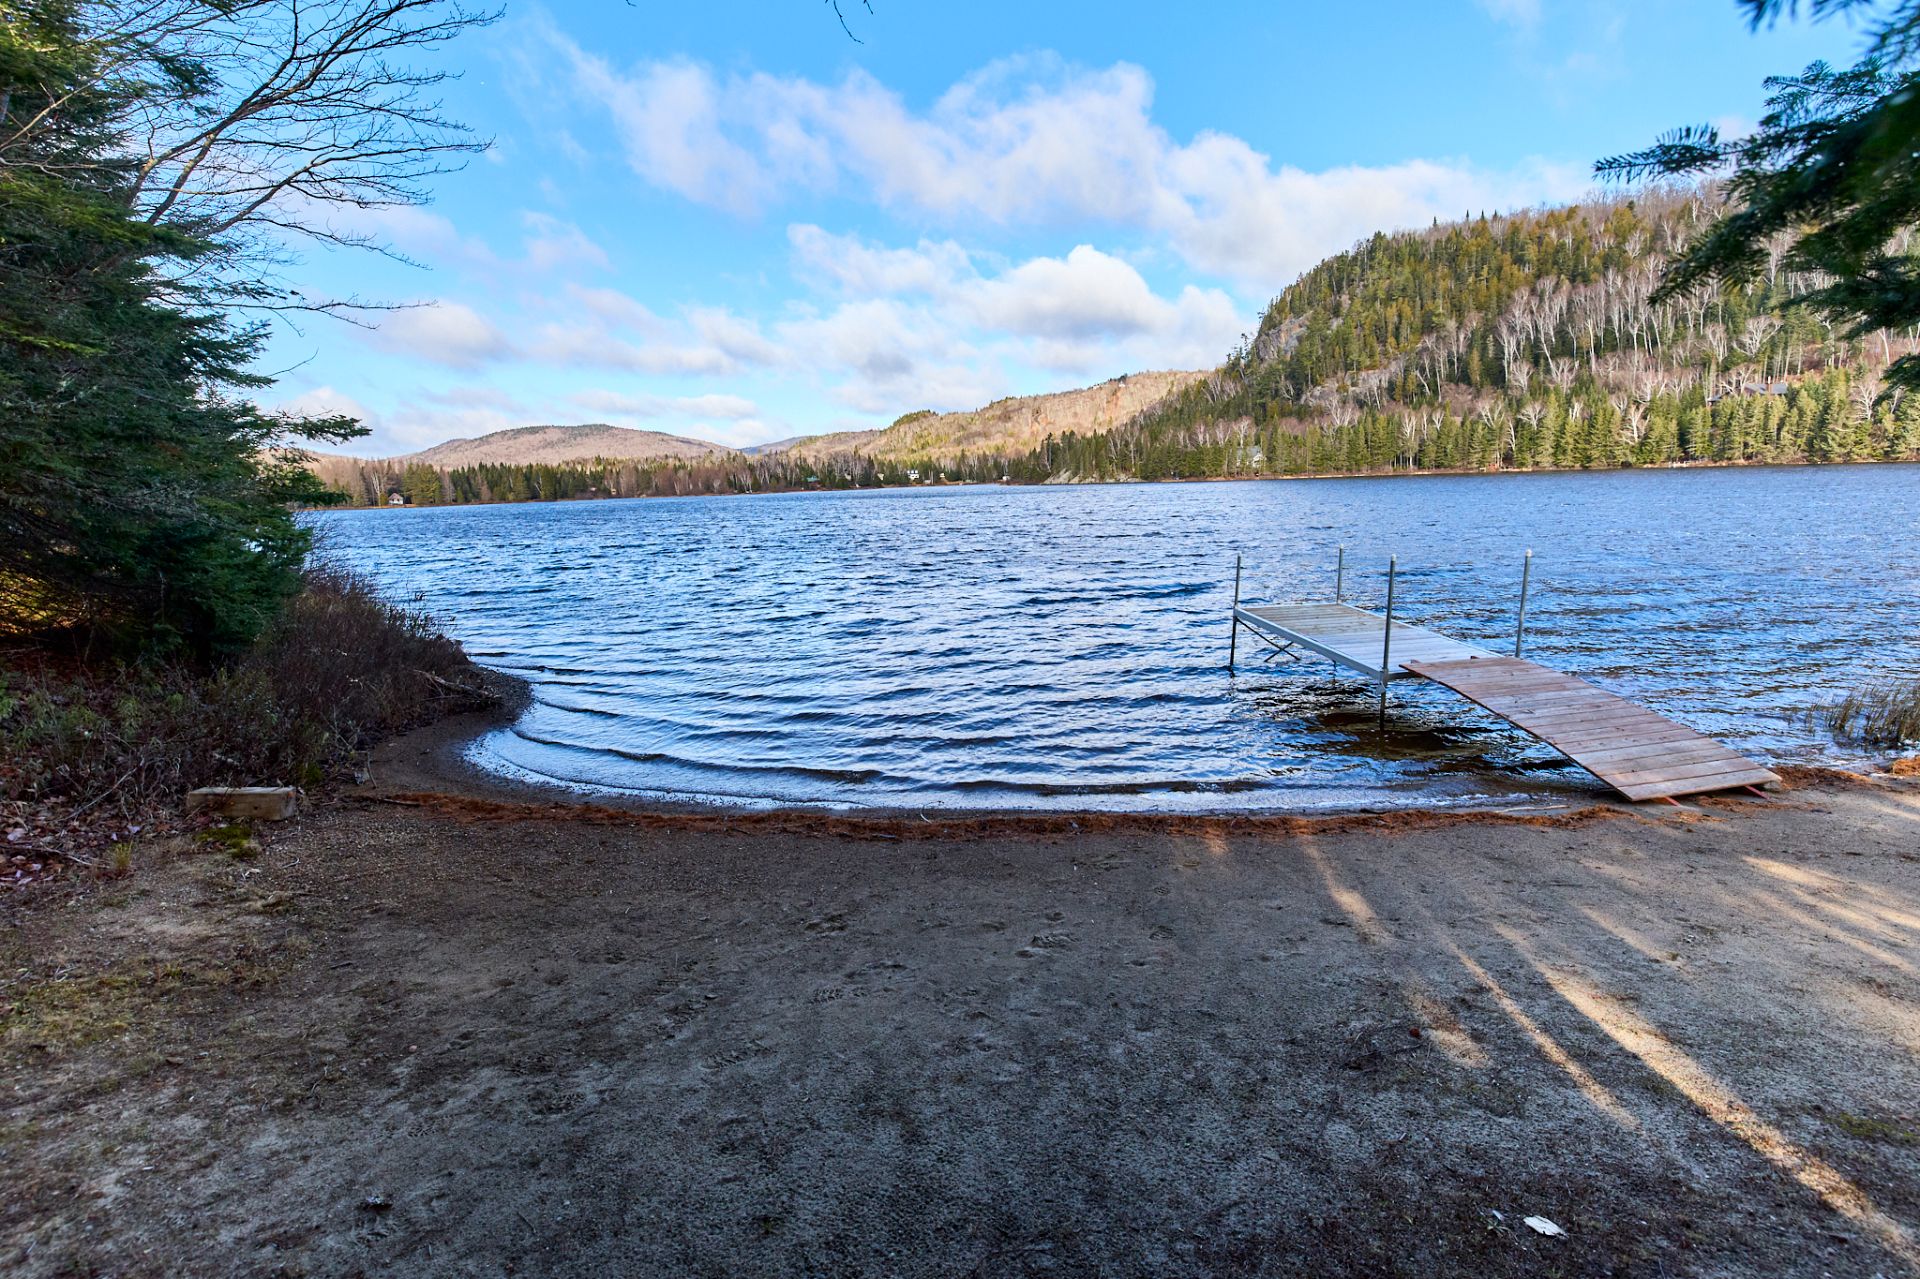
{"x": 1386, "y": 641}
{"x": 1340, "y": 576}
{"x": 1233, "y": 641}
{"x": 1520, "y": 626}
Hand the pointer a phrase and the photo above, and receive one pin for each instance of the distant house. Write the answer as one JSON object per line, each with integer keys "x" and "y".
{"x": 396, "y": 499}
{"x": 1753, "y": 388}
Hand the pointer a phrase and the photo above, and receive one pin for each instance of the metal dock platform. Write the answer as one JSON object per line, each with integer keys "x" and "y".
{"x": 1354, "y": 638}
{"x": 1639, "y": 753}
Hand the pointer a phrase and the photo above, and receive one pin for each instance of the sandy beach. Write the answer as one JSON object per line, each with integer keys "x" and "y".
{"x": 429, "y": 1031}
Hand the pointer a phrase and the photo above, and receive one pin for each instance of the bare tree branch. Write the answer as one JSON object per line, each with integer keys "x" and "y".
{"x": 835, "y": 6}
{"x": 248, "y": 119}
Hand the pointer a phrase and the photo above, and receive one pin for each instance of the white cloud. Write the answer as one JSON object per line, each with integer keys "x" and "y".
{"x": 617, "y": 308}
{"x": 668, "y": 113}
{"x": 887, "y": 354}
{"x": 738, "y": 339}
{"x": 731, "y": 420}
{"x": 465, "y": 396}
{"x": 415, "y": 427}
{"x": 727, "y": 407}
{"x": 616, "y": 332}
{"x": 424, "y": 419}
{"x": 850, "y": 264}
{"x": 875, "y": 337}
{"x": 1516, "y": 13}
{"x": 935, "y": 328}
{"x": 443, "y": 332}
{"x": 552, "y": 244}
{"x": 588, "y": 345}
{"x": 324, "y": 401}
{"x": 1087, "y": 294}
{"x": 1242, "y": 218}
{"x": 1029, "y": 141}
{"x": 1734, "y": 127}
{"x": 415, "y": 233}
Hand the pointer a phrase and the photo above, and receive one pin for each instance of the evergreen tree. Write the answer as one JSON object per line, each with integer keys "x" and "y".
{"x": 135, "y": 493}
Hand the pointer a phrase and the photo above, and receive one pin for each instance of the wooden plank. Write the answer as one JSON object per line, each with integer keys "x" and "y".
{"x": 1699, "y": 785}
{"x": 1666, "y": 771}
{"x": 1602, "y": 739}
{"x": 1588, "y": 727}
{"x": 1638, "y": 752}
{"x": 1545, "y": 703}
{"x": 1755, "y": 776}
{"x": 1614, "y": 720}
{"x": 1661, "y": 757}
{"x": 1672, "y": 751}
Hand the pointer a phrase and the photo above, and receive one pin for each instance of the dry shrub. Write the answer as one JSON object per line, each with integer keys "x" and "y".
{"x": 339, "y": 670}
{"x": 1884, "y": 715}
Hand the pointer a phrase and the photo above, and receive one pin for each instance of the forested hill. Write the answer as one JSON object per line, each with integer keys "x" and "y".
{"x": 1528, "y": 340}
{"x": 1007, "y": 427}
{"x": 1522, "y": 341}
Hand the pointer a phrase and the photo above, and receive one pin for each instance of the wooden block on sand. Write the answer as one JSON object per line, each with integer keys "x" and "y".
{"x": 257, "y": 803}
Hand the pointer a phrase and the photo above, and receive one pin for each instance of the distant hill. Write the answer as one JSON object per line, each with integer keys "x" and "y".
{"x": 1008, "y": 427}
{"x": 573, "y": 449}
{"x": 550, "y": 444}
{"x": 597, "y": 460}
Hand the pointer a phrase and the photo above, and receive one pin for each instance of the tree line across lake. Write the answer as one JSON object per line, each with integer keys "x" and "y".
{"x": 1830, "y": 417}
{"x": 1529, "y": 341}
{"x": 149, "y": 203}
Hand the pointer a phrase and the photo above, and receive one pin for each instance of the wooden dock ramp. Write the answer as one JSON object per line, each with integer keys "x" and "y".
{"x": 1637, "y": 752}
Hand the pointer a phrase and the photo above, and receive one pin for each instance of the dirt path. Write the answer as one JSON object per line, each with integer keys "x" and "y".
{"x": 452, "y": 1039}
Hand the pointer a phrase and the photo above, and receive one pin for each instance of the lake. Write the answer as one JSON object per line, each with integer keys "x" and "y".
{"x": 1066, "y": 647}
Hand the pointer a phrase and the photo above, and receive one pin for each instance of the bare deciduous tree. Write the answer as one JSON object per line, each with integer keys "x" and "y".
{"x": 254, "y": 124}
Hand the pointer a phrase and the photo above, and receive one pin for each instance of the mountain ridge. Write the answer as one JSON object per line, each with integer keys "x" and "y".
{"x": 553, "y": 443}
{"x": 1010, "y": 426}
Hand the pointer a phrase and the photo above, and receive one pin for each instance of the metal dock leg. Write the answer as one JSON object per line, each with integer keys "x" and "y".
{"x": 1386, "y": 641}
{"x": 1520, "y": 627}
{"x": 1339, "y": 587}
{"x": 1233, "y": 641}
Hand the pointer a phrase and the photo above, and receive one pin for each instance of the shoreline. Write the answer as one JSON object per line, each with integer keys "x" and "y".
{"x": 428, "y": 767}
{"x": 1190, "y": 479}
{"x": 433, "y": 1035}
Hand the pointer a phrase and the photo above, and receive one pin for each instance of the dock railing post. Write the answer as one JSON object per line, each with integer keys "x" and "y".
{"x": 1386, "y": 641}
{"x": 1340, "y": 576}
{"x": 1233, "y": 641}
{"x": 1520, "y": 626}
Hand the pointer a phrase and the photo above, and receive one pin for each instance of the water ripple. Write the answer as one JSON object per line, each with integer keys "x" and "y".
{"x": 1064, "y": 647}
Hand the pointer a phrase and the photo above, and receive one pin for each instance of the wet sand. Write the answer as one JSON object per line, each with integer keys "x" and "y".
{"x": 432, "y": 1030}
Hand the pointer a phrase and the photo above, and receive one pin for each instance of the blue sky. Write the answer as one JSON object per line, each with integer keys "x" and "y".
{"x": 731, "y": 221}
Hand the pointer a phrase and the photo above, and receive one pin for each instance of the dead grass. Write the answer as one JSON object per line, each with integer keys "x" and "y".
{"x": 341, "y": 669}
{"x": 58, "y": 1010}
{"x": 1885, "y": 715}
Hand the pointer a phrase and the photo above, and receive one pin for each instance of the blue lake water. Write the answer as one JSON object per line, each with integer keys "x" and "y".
{"x": 1066, "y": 647}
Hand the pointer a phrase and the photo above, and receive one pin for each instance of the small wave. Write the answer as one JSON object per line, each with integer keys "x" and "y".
{"x": 666, "y": 759}
{"x": 1055, "y": 646}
